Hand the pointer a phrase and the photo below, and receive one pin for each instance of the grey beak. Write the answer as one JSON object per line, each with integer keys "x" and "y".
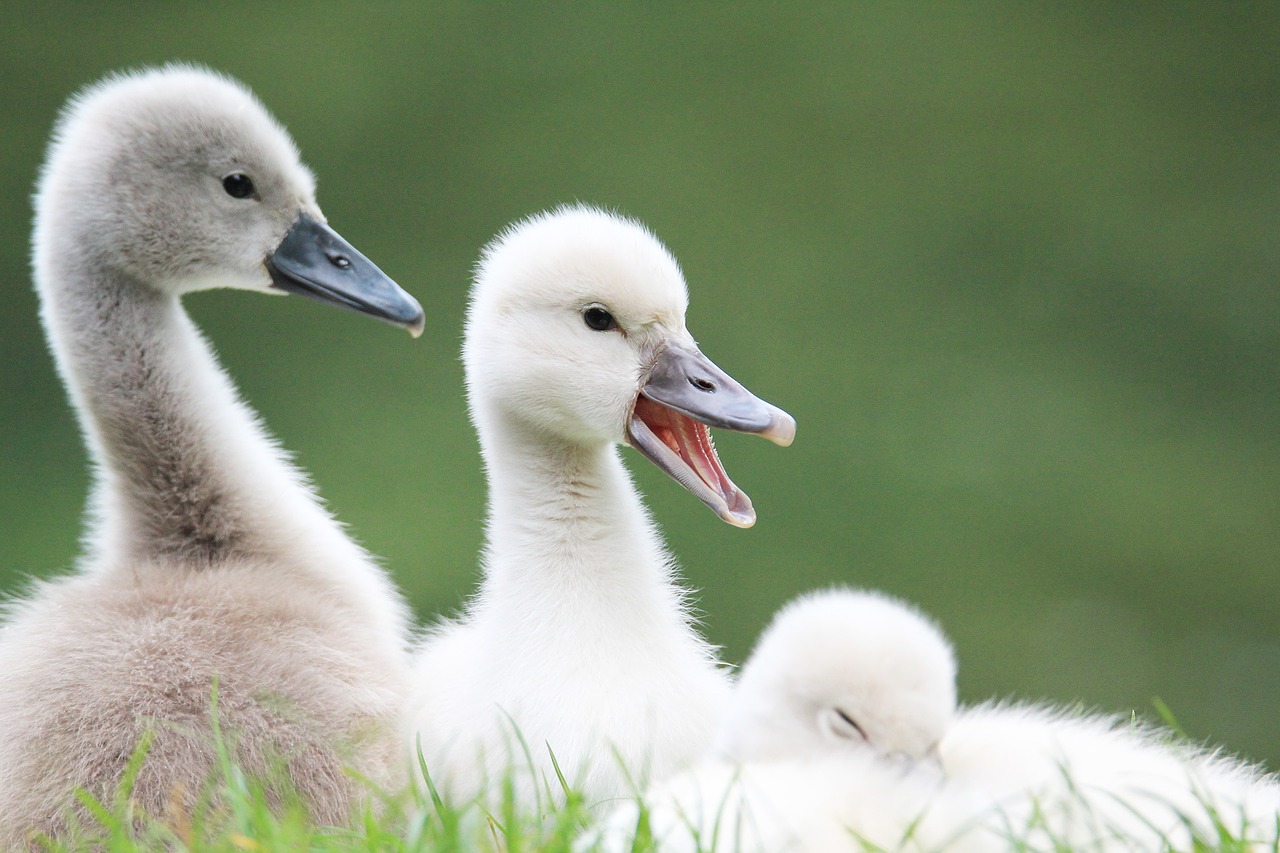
{"x": 684, "y": 379}
{"x": 683, "y": 395}
{"x": 314, "y": 261}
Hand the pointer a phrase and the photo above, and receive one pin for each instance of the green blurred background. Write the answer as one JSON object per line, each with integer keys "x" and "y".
{"x": 1012, "y": 268}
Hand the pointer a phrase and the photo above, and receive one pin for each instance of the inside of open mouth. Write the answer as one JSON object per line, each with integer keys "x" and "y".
{"x": 690, "y": 440}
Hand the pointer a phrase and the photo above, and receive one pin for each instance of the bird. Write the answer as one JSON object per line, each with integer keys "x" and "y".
{"x": 1091, "y": 780}
{"x": 840, "y": 670}
{"x": 786, "y": 773}
{"x": 214, "y": 586}
{"x": 841, "y": 706}
{"x": 578, "y": 656}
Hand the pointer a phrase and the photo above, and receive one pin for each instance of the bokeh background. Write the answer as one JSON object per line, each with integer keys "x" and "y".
{"x": 1013, "y": 267}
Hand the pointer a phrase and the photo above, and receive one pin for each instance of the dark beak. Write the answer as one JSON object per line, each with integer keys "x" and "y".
{"x": 314, "y": 261}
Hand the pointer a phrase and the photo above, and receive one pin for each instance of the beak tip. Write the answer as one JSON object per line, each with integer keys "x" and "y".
{"x": 305, "y": 262}
{"x": 738, "y": 511}
{"x": 782, "y": 429}
{"x": 417, "y": 325}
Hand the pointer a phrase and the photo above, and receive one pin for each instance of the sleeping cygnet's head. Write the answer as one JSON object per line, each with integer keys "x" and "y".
{"x": 840, "y": 670}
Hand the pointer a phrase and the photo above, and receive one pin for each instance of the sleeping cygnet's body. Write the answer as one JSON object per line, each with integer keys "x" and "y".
{"x": 800, "y": 761}
{"x": 830, "y": 738}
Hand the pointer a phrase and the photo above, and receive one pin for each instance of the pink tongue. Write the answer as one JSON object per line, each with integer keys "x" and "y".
{"x": 691, "y": 441}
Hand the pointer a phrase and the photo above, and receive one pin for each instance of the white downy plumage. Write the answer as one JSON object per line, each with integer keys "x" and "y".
{"x": 1007, "y": 777}
{"x": 207, "y": 554}
{"x": 842, "y": 670}
{"x": 579, "y": 641}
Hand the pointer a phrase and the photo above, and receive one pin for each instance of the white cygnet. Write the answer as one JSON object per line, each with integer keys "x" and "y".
{"x": 579, "y": 640}
{"x": 842, "y": 669}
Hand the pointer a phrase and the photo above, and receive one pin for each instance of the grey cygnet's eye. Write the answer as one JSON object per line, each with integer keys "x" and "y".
{"x": 238, "y": 185}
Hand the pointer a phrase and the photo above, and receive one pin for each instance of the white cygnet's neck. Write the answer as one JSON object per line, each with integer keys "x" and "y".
{"x": 572, "y": 552}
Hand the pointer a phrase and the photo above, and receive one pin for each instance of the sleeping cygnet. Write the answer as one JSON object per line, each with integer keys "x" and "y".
{"x": 829, "y": 742}
{"x": 842, "y": 669}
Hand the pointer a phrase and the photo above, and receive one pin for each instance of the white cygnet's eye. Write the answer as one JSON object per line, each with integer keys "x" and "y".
{"x": 837, "y": 723}
{"x": 598, "y": 318}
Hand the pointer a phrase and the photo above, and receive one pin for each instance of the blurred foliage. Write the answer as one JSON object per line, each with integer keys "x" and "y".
{"x": 1013, "y": 267}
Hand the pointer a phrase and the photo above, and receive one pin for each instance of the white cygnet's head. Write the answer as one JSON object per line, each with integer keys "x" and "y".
{"x": 576, "y": 335}
{"x": 840, "y": 670}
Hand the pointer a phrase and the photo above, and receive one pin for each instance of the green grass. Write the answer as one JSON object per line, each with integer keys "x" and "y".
{"x": 412, "y": 823}
{"x": 239, "y": 813}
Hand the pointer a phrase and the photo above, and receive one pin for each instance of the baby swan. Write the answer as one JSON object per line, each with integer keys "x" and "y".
{"x": 837, "y": 715}
{"x": 842, "y": 669}
{"x": 790, "y": 772}
{"x": 209, "y": 559}
{"x": 579, "y": 640}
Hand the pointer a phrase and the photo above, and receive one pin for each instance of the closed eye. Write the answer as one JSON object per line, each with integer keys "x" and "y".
{"x": 850, "y": 727}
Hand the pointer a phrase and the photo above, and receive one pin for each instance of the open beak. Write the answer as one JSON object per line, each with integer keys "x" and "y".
{"x": 684, "y": 394}
{"x": 314, "y": 261}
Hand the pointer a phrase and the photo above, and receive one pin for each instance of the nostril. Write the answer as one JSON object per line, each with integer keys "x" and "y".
{"x": 702, "y": 384}
{"x": 340, "y": 261}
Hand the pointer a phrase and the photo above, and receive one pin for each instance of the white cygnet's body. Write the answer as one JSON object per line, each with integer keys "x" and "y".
{"x": 580, "y": 642}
